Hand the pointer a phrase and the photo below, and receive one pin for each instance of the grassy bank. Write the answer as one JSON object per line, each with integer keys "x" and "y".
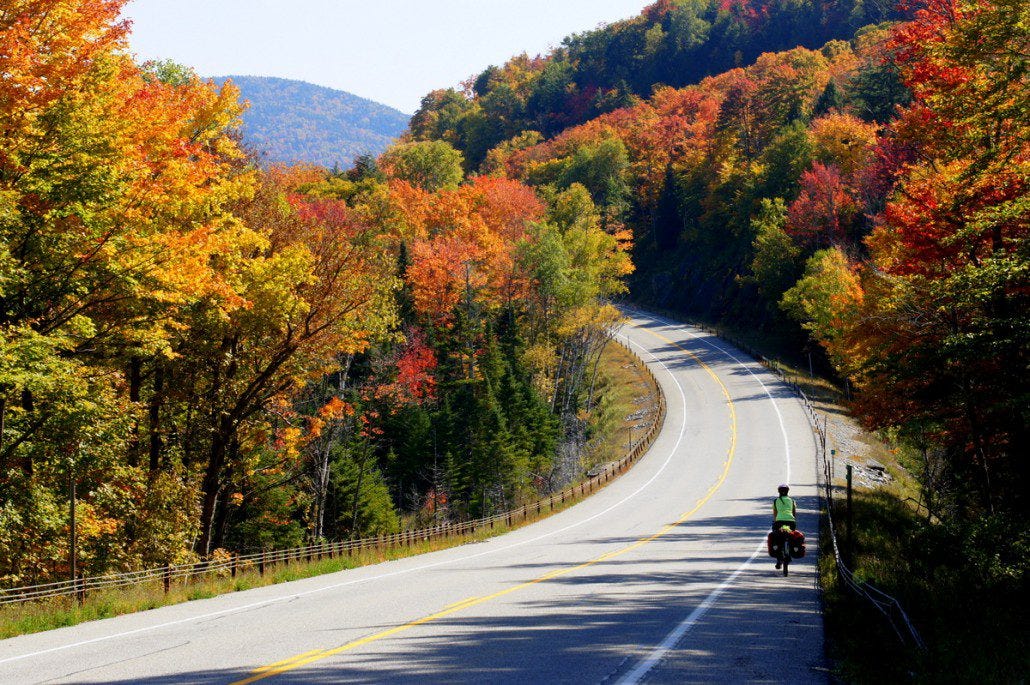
{"x": 625, "y": 391}
{"x": 33, "y": 617}
{"x": 962, "y": 586}
{"x": 625, "y": 395}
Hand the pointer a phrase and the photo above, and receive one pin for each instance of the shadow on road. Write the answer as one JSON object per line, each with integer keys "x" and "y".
{"x": 619, "y": 616}
{"x": 595, "y": 623}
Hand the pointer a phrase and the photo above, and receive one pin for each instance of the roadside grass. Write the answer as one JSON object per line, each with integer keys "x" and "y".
{"x": 624, "y": 390}
{"x": 31, "y": 617}
{"x": 860, "y": 641}
{"x": 623, "y": 383}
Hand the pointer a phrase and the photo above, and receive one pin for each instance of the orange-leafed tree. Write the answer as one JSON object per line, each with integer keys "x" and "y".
{"x": 465, "y": 243}
{"x": 440, "y": 271}
{"x": 115, "y": 187}
{"x": 844, "y": 141}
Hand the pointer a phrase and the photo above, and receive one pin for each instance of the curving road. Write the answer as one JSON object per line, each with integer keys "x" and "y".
{"x": 660, "y": 577}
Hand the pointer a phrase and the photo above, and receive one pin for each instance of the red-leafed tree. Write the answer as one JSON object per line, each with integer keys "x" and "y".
{"x": 823, "y": 213}
{"x": 415, "y": 381}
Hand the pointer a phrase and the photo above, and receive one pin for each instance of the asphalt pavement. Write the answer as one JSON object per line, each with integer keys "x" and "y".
{"x": 660, "y": 577}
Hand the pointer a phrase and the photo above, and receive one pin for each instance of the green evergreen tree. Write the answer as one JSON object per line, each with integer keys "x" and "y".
{"x": 362, "y": 498}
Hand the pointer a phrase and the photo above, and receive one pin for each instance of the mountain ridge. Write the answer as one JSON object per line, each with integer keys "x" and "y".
{"x": 293, "y": 121}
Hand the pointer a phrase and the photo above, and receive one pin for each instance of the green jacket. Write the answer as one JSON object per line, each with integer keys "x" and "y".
{"x": 784, "y": 509}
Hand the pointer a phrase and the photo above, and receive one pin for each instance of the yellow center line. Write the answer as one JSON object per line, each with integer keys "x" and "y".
{"x": 461, "y": 603}
{"x": 285, "y": 662}
{"x": 317, "y": 655}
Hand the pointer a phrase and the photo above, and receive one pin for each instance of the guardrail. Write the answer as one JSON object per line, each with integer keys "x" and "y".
{"x": 881, "y": 601}
{"x": 231, "y": 564}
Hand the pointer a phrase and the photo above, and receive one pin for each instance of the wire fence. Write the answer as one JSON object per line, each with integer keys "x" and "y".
{"x": 230, "y": 564}
{"x": 881, "y": 601}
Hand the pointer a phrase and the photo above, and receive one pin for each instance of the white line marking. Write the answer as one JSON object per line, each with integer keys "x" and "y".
{"x": 743, "y": 365}
{"x": 267, "y": 602}
{"x": 779, "y": 416}
{"x": 646, "y": 664}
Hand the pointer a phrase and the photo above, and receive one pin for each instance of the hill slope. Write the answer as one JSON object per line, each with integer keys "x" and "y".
{"x": 295, "y": 121}
{"x": 671, "y": 42}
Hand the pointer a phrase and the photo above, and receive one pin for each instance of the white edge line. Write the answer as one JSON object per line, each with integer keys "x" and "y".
{"x": 424, "y": 567}
{"x": 656, "y": 655}
{"x": 740, "y": 363}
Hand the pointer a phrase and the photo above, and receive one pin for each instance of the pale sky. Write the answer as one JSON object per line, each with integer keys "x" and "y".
{"x": 392, "y": 51}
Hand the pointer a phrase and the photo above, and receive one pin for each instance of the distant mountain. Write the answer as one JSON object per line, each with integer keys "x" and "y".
{"x": 293, "y": 121}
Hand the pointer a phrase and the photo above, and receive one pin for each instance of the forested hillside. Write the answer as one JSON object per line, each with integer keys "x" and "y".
{"x": 289, "y": 121}
{"x": 671, "y": 43}
{"x": 220, "y": 355}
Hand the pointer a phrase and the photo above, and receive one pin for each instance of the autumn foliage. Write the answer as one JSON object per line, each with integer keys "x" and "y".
{"x": 221, "y": 355}
{"x": 873, "y": 190}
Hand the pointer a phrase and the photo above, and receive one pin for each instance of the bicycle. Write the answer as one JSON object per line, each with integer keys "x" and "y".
{"x": 783, "y": 556}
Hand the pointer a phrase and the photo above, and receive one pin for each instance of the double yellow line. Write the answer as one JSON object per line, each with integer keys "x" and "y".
{"x": 306, "y": 658}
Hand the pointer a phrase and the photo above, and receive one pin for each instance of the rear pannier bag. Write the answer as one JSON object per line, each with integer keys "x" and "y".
{"x": 771, "y": 546}
{"x": 797, "y": 544}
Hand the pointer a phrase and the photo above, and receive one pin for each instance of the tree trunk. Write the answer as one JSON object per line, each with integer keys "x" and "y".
{"x": 322, "y": 470}
{"x": 224, "y": 429}
{"x": 221, "y": 520}
{"x": 593, "y": 373}
{"x": 557, "y": 379}
{"x": 135, "y": 380}
{"x": 135, "y": 375}
{"x": 212, "y": 482}
{"x": 154, "y": 410}
{"x": 321, "y": 486}
{"x": 3, "y": 427}
{"x": 980, "y": 450}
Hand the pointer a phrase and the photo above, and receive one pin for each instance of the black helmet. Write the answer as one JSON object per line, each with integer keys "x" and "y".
{"x": 784, "y": 488}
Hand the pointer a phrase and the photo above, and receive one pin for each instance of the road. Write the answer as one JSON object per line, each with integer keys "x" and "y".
{"x": 660, "y": 577}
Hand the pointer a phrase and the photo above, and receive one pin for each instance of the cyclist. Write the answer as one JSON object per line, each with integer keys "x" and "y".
{"x": 785, "y": 513}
